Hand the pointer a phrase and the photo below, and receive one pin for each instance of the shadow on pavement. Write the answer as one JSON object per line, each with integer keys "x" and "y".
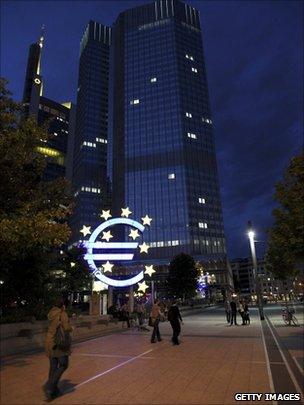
{"x": 66, "y": 386}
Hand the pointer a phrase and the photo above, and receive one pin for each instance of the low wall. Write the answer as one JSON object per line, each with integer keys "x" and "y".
{"x": 29, "y": 336}
{"x": 24, "y": 337}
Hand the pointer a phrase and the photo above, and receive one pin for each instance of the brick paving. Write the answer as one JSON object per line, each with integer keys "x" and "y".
{"x": 213, "y": 362}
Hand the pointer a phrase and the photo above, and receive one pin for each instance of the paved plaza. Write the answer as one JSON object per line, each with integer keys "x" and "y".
{"x": 213, "y": 362}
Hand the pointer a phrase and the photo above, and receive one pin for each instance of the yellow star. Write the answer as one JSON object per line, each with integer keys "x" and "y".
{"x": 73, "y": 264}
{"x": 146, "y": 220}
{"x": 86, "y": 230}
{"x": 107, "y": 236}
{"x": 149, "y": 270}
{"x": 144, "y": 248}
{"x": 134, "y": 234}
{"x": 125, "y": 212}
{"x": 142, "y": 286}
{"x": 108, "y": 266}
{"x": 105, "y": 214}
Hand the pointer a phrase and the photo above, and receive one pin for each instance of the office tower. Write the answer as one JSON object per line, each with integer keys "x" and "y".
{"x": 90, "y": 147}
{"x": 59, "y": 117}
{"x": 161, "y": 146}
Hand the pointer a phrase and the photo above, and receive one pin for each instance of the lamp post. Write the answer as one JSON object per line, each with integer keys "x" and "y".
{"x": 255, "y": 270}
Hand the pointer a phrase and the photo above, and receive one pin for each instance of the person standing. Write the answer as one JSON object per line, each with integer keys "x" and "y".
{"x": 241, "y": 311}
{"x": 58, "y": 355}
{"x": 246, "y": 314}
{"x": 125, "y": 315}
{"x": 227, "y": 311}
{"x": 155, "y": 316}
{"x": 233, "y": 312}
{"x": 174, "y": 317}
{"x": 140, "y": 309}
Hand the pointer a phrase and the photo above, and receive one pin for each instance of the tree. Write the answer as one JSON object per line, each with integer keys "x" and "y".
{"x": 33, "y": 213}
{"x": 285, "y": 245}
{"x": 183, "y": 276}
{"x": 73, "y": 272}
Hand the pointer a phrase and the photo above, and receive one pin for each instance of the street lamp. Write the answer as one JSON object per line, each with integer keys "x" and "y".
{"x": 255, "y": 270}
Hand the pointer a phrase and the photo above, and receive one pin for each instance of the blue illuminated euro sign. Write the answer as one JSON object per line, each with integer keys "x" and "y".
{"x": 91, "y": 244}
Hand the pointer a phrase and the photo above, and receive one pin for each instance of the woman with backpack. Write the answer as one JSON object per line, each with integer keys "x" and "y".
{"x": 57, "y": 347}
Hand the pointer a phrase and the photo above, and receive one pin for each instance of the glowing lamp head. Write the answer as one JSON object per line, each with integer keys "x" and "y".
{"x": 251, "y": 234}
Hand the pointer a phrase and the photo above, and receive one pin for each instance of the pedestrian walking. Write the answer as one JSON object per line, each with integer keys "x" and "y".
{"x": 57, "y": 347}
{"x": 174, "y": 317}
{"x": 154, "y": 320}
{"x": 233, "y": 312}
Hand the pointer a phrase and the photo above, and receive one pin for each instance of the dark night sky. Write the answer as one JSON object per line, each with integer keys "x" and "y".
{"x": 254, "y": 57}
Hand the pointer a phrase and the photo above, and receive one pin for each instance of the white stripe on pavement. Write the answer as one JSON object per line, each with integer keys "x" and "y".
{"x": 108, "y": 355}
{"x": 267, "y": 363}
{"x": 293, "y": 379}
{"x": 112, "y": 368}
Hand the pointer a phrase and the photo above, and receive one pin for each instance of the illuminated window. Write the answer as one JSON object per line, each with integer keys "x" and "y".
{"x": 101, "y": 140}
{"x": 189, "y": 57}
{"x": 194, "y": 70}
{"x": 207, "y": 120}
{"x": 171, "y": 176}
{"x": 136, "y": 101}
{"x": 202, "y": 225}
{"x": 89, "y": 144}
{"x": 54, "y": 154}
{"x": 153, "y": 79}
{"x": 175, "y": 243}
{"x": 192, "y": 136}
{"x": 202, "y": 200}
{"x": 91, "y": 189}
{"x": 189, "y": 115}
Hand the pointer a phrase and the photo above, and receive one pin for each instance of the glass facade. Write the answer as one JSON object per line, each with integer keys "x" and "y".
{"x": 161, "y": 147}
{"x": 90, "y": 146}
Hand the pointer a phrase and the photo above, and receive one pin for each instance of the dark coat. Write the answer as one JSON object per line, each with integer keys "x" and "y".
{"x": 233, "y": 306}
{"x": 174, "y": 314}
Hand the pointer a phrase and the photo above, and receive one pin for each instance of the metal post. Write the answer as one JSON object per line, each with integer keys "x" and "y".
{"x": 152, "y": 291}
{"x": 131, "y": 298}
{"x": 255, "y": 271}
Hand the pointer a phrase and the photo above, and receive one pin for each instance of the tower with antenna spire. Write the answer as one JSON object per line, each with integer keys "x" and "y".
{"x": 58, "y": 149}
{"x": 33, "y": 85}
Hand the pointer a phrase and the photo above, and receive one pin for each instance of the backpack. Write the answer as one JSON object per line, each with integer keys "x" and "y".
{"x": 62, "y": 339}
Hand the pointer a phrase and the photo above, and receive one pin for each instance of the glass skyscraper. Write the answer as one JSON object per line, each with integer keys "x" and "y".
{"x": 143, "y": 114}
{"x": 162, "y": 148}
{"x": 90, "y": 146}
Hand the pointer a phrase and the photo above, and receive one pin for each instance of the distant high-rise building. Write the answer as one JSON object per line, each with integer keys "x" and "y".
{"x": 90, "y": 147}
{"x": 162, "y": 153}
{"x": 245, "y": 283}
{"x": 60, "y": 118}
